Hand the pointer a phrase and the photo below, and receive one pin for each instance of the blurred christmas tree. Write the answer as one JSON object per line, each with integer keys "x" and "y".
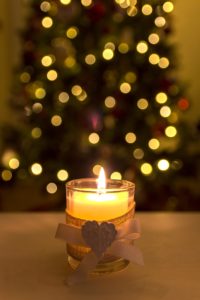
{"x": 97, "y": 87}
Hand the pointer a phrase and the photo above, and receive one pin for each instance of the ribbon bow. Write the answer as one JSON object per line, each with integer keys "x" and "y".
{"x": 101, "y": 238}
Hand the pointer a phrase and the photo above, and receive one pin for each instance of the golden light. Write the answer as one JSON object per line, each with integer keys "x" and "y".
{"x": 40, "y": 93}
{"x": 142, "y": 47}
{"x": 123, "y": 48}
{"x": 101, "y": 181}
{"x": 47, "y": 22}
{"x": 62, "y": 175}
{"x": 130, "y": 137}
{"x": 163, "y": 165}
{"x": 109, "y": 45}
{"x": 36, "y": 169}
{"x": 7, "y": 156}
{"x": 6, "y": 175}
{"x": 45, "y": 6}
{"x": 52, "y": 75}
{"x": 168, "y": 7}
{"x": 154, "y": 144}
{"x": 154, "y": 59}
{"x": 125, "y": 87}
{"x": 146, "y": 169}
{"x": 63, "y": 97}
{"x": 116, "y": 175}
{"x": 70, "y": 62}
{"x": 147, "y": 9}
{"x": 138, "y": 153}
{"x": 153, "y": 38}
{"x": 163, "y": 63}
{"x": 90, "y": 59}
{"x": 47, "y": 60}
{"x": 37, "y": 107}
{"x": 82, "y": 96}
{"x": 65, "y": 2}
{"x": 93, "y": 138}
{"x": 132, "y": 11}
{"x": 72, "y": 32}
{"x": 36, "y": 133}
{"x": 56, "y": 120}
{"x": 14, "y": 163}
{"x": 25, "y": 77}
{"x": 76, "y": 90}
{"x": 160, "y": 21}
{"x": 161, "y": 97}
{"x": 171, "y": 131}
{"x": 130, "y": 77}
{"x": 165, "y": 111}
{"x": 142, "y": 103}
{"x": 96, "y": 169}
{"x": 86, "y": 2}
{"x": 108, "y": 54}
{"x": 110, "y": 102}
{"x": 51, "y": 188}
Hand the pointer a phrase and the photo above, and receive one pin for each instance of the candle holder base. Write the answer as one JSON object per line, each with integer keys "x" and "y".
{"x": 102, "y": 267}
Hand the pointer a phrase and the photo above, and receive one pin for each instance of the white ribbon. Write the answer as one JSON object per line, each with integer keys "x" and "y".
{"x": 122, "y": 246}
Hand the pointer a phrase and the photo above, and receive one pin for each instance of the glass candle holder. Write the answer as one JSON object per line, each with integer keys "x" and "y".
{"x": 85, "y": 203}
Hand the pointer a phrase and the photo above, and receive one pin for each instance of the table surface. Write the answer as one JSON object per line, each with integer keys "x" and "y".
{"x": 33, "y": 263}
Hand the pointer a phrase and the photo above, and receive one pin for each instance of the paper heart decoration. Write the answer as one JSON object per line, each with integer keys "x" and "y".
{"x": 98, "y": 236}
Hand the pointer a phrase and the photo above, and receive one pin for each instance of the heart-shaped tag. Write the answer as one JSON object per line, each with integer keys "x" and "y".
{"x": 98, "y": 236}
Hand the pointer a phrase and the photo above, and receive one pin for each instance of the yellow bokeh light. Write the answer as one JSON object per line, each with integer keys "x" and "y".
{"x": 65, "y": 2}
{"x": 154, "y": 59}
{"x": 37, "y": 107}
{"x": 86, "y": 2}
{"x": 130, "y": 137}
{"x": 45, "y": 6}
{"x": 142, "y": 47}
{"x": 52, "y": 75}
{"x": 123, "y": 48}
{"x": 110, "y": 102}
{"x": 47, "y": 22}
{"x": 161, "y": 97}
{"x": 147, "y": 9}
{"x": 163, "y": 165}
{"x": 163, "y": 63}
{"x": 7, "y": 156}
{"x": 36, "y": 133}
{"x": 168, "y": 7}
{"x": 116, "y": 175}
{"x": 142, "y": 103}
{"x": 130, "y": 77}
{"x": 96, "y": 169}
{"x": 76, "y": 90}
{"x": 47, "y": 60}
{"x": 90, "y": 59}
{"x": 153, "y": 38}
{"x": 171, "y": 131}
{"x": 132, "y": 11}
{"x": 14, "y": 163}
{"x": 138, "y": 153}
{"x": 165, "y": 111}
{"x": 56, "y": 120}
{"x": 72, "y": 32}
{"x": 173, "y": 117}
{"x": 62, "y": 175}
{"x": 125, "y": 87}
{"x": 146, "y": 169}
{"x": 70, "y": 62}
{"x": 109, "y": 45}
{"x": 63, "y": 97}
{"x": 6, "y": 175}
{"x": 108, "y": 54}
{"x": 154, "y": 144}
{"x": 160, "y": 21}
{"x": 36, "y": 169}
{"x": 93, "y": 138}
{"x": 82, "y": 96}
{"x": 51, "y": 188}
{"x": 40, "y": 93}
{"x": 25, "y": 77}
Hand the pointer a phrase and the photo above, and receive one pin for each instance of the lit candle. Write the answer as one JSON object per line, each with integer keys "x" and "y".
{"x": 101, "y": 199}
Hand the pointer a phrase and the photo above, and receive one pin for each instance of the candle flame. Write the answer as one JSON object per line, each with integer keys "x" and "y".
{"x": 101, "y": 181}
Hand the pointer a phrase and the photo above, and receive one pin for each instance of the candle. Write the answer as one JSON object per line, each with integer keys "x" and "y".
{"x": 100, "y": 203}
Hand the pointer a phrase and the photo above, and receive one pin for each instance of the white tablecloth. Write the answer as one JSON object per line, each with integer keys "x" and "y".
{"x": 33, "y": 263}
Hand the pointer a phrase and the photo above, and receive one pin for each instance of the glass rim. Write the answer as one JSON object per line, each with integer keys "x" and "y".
{"x": 125, "y": 185}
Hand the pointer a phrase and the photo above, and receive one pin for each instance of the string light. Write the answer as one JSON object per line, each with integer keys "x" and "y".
{"x": 116, "y": 175}
{"x": 93, "y": 138}
{"x": 36, "y": 133}
{"x": 62, "y": 175}
{"x": 170, "y": 131}
{"x": 130, "y": 137}
{"x": 37, "y": 107}
{"x": 163, "y": 165}
{"x": 146, "y": 169}
{"x": 168, "y": 7}
{"x": 147, "y": 9}
{"x": 63, "y": 97}
{"x": 161, "y": 97}
{"x": 165, "y": 111}
{"x": 51, "y": 188}
{"x": 125, "y": 87}
{"x": 153, "y": 38}
{"x": 132, "y": 11}
{"x": 163, "y": 63}
{"x": 45, "y": 6}
{"x": 76, "y": 90}
{"x": 25, "y": 77}
{"x": 6, "y": 175}
{"x": 47, "y": 60}
{"x": 154, "y": 144}
{"x": 40, "y": 93}
{"x": 70, "y": 62}
{"x": 56, "y": 120}
{"x": 96, "y": 169}
{"x": 36, "y": 169}
{"x": 108, "y": 54}
{"x": 86, "y": 2}
{"x": 142, "y": 103}
{"x": 90, "y": 59}
{"x": 83, "y": 96}
{"x": 14, "y": 163}
{"x": 47, "y": 22}
{"x": 72, "y": 32}
{"x": 154, "y": 59}
{"x": 142, "y": 47}
{"x": 52, "y": 75}
{"x": 123, "y": 48}
{"x": 138, "y": 153}
{"x": 65, "y": 2}
{"x": 110, "y": 102}
{"x": 160, "y": 21}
